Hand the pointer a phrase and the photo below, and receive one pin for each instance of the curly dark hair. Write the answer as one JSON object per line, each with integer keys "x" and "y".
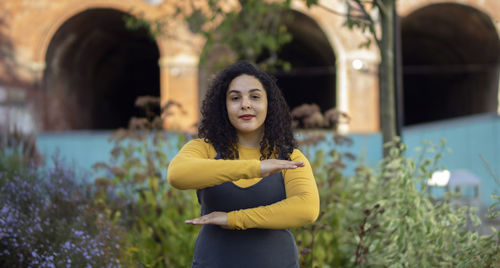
{"x": 216, "y": 128}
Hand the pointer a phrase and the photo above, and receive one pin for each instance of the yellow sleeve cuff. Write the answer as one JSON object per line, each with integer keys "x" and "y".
{"x": 231, "y": 219}
{"x": 234, "y": 222}
{"x": 256, "y": 170}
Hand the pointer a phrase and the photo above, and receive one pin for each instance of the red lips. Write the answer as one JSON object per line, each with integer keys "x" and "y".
{"x": 247, "y": 116}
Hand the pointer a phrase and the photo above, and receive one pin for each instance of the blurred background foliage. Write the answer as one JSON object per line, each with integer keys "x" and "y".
{"x": 254, "y": 31}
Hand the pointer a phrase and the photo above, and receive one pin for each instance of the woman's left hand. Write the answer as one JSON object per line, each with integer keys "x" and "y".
{"x": 216, "y": 217}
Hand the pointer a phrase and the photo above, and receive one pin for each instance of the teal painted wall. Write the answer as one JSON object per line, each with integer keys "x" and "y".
{"x": 467, "y": 137}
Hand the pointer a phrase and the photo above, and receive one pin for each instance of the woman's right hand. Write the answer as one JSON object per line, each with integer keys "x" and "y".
{"x": 271, "y": 166}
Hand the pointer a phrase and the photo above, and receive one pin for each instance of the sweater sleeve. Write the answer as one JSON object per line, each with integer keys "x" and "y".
{"x": 300, "y": 207}
{"x": 194, "y": 167}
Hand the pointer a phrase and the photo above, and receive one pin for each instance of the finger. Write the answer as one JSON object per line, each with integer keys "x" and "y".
{"x": 299, "y": 163}
{"x": 196, "y": 221}
{"x": 290, "y": 165}
{"x": 192, "y": 222}
{"x": 281, "y": 166}
{"x": 294, "y": 164}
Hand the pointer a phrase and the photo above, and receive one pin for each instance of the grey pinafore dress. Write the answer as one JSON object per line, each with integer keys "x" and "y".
{"x": 256, "y": 248}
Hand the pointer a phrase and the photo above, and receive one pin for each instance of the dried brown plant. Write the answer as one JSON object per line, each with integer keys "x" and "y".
{"x": 309, "y": 116}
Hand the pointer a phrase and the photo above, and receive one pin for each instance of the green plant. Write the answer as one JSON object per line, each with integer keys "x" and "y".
{"x": 388, "y": 219}
{"x": 151, "y": 211}
{"x": 416, "y": 228}
{"x": 316, "y": 241}
{"x": 385, "y": 217}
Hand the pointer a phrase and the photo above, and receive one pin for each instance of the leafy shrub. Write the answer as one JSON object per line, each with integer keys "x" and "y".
{"x": 316, "y": 241}
{"x": 385, "y": 217}
{"x": 402, "y": 225}
{"x": 151, "y": 211}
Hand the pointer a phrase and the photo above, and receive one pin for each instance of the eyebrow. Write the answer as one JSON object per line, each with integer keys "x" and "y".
{"x": 237, "y": 91}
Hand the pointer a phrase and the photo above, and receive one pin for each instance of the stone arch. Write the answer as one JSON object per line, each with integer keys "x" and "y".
{"x": 62, "y": 17}
{"x": 451, "y": 56}
{"x": 313, "y": 75}
{"x": 405, "y": 8}
{"x": 95, "y": 69}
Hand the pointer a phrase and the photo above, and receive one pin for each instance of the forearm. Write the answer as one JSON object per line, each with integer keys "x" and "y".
{"x": 196, "y": 173}
{"x": 295, "y": 211}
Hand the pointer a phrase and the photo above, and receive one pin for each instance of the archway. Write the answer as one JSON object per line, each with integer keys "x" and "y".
{"x": 96, "y": 68}
{"x": 451, "y": 56}
{"x": 312, "y": 78}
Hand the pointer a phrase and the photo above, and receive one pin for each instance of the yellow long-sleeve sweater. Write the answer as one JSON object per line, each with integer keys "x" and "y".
{"x": 194, "y": 167}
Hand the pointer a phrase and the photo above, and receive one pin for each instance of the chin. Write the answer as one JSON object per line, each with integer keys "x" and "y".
{"x": 246, "y": 130}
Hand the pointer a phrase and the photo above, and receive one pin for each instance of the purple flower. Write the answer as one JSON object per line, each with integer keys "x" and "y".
{"x": 78, "y": 233}
{"x": 4, "y": 210}
{"x": 30, "y": 213}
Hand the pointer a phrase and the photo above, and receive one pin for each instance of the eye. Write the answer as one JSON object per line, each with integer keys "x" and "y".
{"x": 255, "y": 97}
{"x": 235, "y": 98}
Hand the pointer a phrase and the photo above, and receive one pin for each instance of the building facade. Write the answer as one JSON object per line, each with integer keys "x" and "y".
{"x": 72, "y": 65}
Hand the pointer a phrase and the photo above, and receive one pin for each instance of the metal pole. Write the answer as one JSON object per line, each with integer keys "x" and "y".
{"x": 398, "y": 77}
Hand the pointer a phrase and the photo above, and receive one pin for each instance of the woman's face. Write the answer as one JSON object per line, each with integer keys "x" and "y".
{"x": 246, "y": 103}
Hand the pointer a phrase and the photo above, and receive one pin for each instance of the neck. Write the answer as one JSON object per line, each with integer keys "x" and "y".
{"x": 251, "y": 140}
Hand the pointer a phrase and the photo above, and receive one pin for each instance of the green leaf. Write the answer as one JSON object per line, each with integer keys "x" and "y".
{"x": 493, "y": 206}
{"x": 310, "y": 3}
{"x": 494, "y": 214}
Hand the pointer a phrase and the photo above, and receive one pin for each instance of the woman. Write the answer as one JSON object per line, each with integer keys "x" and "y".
{"x": 252, "y": 182}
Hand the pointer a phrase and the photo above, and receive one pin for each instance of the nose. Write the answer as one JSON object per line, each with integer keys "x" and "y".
{"x": 245, "y": 104}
